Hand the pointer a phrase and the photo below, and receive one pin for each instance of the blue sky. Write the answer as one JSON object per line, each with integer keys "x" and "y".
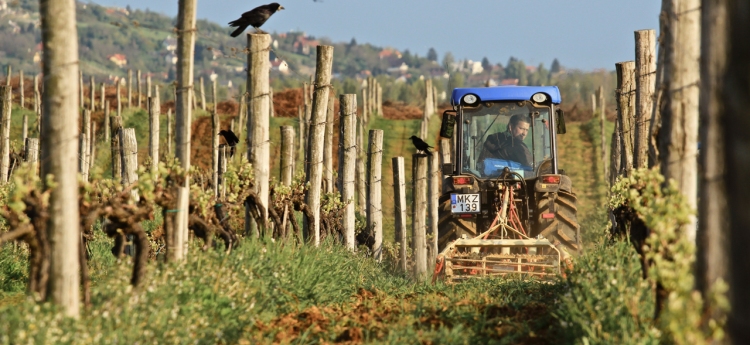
{"x": 583, "y": 34}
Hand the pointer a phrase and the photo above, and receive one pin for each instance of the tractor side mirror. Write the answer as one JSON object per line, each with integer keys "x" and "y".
{"x": 560, "y": 122}
{"x": 448, "y": 124}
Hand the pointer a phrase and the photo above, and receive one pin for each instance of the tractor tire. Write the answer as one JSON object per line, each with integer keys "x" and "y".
{"x": 451, "y": 228}
{"x": 563, "y": 229}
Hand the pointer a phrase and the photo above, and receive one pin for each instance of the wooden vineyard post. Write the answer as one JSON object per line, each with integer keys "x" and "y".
{"x": 215, "y": 151}
{"x": 32, "y": 153}
{"x": 130, "y": 88}
{"x": 270, "y": 103}
{"x": 602, "y": 120}
{"x": 301, "y": 127}
{"x": 102, "y": 95}
{"x": 433, "y": 204}
{"x": 399, "y": 196}
{"x": 428, "y": 101}
{"x": 222, "y": 170}
{"x": 129, "y": 153}
{"x": 678, "y": 136}
{"x": 258, "y": 151}
{"x": 203, "y": 95}
{"x": 214, "y": 98}
{"x": 84, "y": 146}
{"x": 59, "y": 126}
{"x": 138, "y": 90}
{"x": 593, "y": 105}
{"x": 8, "y": 76}
{"x": 316, "y": 137}
{"x": 419, "y": 214}
{"x": 712, "y": 238}
{"x": 107, "y": 129}
{"x": 185, "y": 57}
{"x": 328, "y": 151}
{"x": 92, "y": 147}
{"x": 626, "y": 112}
{"x": 360, "y": 170}
{"x": 148, "y": 87}
{"x": 81, "y": 99}
{"x": 380, "y": 100}
{"x": 22, "y": 100}
{"x": 170, "y": 137}
{"x": 615, "y": 163}
{"x": 287, "y": 155}
{"x": 5, "y": 110}
{"x": 347, "y": 162}
{"x": 37, "y": 104}
{"x": 374, "y": 197}
{"x": 115, "y": 124}
{"x": 92, "y": 94}
{"x": 365, "y": 109}
{"x": 119, "y": 98}
{"x": 645, "y": 79}
{"x": 154, "y": 107}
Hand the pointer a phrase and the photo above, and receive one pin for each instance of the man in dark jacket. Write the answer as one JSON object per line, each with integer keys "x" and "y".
{"x": 509, "y": 145}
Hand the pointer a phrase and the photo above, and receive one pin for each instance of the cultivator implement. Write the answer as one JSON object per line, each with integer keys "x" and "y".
{"x": 503, "y": 250}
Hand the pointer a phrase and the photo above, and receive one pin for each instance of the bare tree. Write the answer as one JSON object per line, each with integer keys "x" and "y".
{"x": 59, "y": 153}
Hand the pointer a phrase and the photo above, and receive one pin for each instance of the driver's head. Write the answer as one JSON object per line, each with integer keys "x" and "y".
{"x": 519, "y": 126}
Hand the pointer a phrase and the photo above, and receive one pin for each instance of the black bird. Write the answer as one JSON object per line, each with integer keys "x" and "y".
{"x": 420, "y": 144}
{"x": 231, "y": 140}
{"x": 255, "y": 18}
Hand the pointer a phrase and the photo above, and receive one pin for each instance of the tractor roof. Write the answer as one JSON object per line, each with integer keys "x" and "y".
{"x": 506, "y": 93}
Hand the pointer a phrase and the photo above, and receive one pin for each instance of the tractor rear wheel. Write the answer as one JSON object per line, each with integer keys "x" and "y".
{"x": 562, "y": 228}
{"x": 451, "y": 228}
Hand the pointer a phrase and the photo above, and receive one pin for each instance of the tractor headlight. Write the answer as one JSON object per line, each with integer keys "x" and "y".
{"x": 470, "y": 99}
{"x": 539, "y": 97}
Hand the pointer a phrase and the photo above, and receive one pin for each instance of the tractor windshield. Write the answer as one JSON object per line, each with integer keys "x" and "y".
{"x": 505, "y": 134}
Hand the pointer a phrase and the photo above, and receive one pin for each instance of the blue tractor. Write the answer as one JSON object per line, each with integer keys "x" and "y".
{"x": 506, "y": 206}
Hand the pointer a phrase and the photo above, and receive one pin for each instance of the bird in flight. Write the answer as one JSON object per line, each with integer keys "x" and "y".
{"x": 231, "y": 140}
{"x": 255, "y": 18}
{"x": 420, "y": 144}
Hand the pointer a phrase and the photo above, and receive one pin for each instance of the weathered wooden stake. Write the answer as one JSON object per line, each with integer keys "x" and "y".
{"x": 115, "y": 124}
{"x": 602, "y": 120}
{"x": 84, "y": 146}
{"x": 32, "y": 153}
{"x": 107, "y": 128}
{"x": 316, "y": 137}
{"x": 374, "y": 198}
{"x": 429, "y": 103}
{"x": 129, "y": 154}
{"x": 328, "y": 153}
{"x": 9, "y": 75}
{"x": 258, "y": 151}
{"x": 214, "y": 98}
{"x": 5, "y": 109}
{"x": 154, "y": 111}
{"x": 645, "y": 79}
{"x": 287, "y": 155}
{"x": 419, "y": 214}
{"x": 626, "y": 112}
{"x": 102, "y": 95}
{"x": 433, "y": 205}
{"x": 119, "y": 98}
{"x": 139, "y": 91}
{"x": 203, "y": 95}
{"x": 360, "y": 171}
{"x": 270, "y": 103}
{"x": 215, "y": 128}
{"x": 170, "y": 135}
{"x": 615, "y": 163}
{"x": 81, "y": 99}
{"x": 92, "y": 147}
{"x": 130, "y": 88}
{"x": 22, "y": 100}
{"x": 301, "y": 119}
{"x": 399, "y": 196}
{"x": 347, "y": 162}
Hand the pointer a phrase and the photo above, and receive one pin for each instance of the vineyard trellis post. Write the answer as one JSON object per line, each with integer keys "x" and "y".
{"x": 287, "y": 155}
{"x": 712, "y": 238}
{"x": 678, "y": 135}
{"x": 138, "y": 90}
{"x": 258, "y": 150}
{"x": 119, "y": 97}
{"x": 645, "y": 79}
{"x": 203, "y": 95}
{"x": 360, "y": 170}
{"x": 25, "y": 124}
{"x": 170, "y": 136}
{"x": 22, "y": 100}
{"x": 399, "y": 196}
{"x": 37, "y": 104}
{"x": 130, "y": 88}
{"x": 328, "y": 151}
{"x": 84, "y": 154}
{"x": 185, "y": 56}
{"x": 270, "y": 102}
{"x": 222, "y": 170}
{"x": 92, "y": 147}
{"x": 374, "y": 191}
{"x": 615, "y": 163}
{"x": 626, "y": 112}
{"x": 301, "y": 127}
{"x": 60, "y": 112}
{"x": 102, "y": 95}
{"x": 316, "y": 140}
{"x": 6, "y": 99}
{"x": 347, "y": 163}
{"x": 215, "y": 128}
{"x": 92, "y": 94}
{"x": 106, "y": 121}
{"x": 81, "y": 99}
{"x": 32, "y": 153}
{"x": 433, "y": 204}
{"x": 154, "y": 107}
{"x": 602, "y": 122}
{"x": 419, "y": 214}
{"x": 129, "y": 154}
{"x": 115, "y": 123}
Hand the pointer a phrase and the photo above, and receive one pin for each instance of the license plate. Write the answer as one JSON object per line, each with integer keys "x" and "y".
{"x": 465, "y": 203}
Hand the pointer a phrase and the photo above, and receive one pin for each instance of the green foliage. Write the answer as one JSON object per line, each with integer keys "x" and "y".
{"x": 665, "y": 211}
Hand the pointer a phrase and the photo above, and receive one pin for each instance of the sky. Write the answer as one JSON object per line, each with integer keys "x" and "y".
{"x": 581, "y": 34}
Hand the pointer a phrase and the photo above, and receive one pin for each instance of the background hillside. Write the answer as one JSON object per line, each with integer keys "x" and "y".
{"x": 115, "y": 40}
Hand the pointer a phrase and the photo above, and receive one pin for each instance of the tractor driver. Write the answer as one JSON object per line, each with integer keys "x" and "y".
{"x": 509, "y": 145}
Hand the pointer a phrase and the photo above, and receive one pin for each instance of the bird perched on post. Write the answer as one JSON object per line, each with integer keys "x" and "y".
{"x": 255, "y": 18}
{"x": 420, "y": 144}
{"x": 231, "y": 140}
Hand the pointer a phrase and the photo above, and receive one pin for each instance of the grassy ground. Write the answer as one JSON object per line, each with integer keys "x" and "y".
{"x": 265, "y": 292}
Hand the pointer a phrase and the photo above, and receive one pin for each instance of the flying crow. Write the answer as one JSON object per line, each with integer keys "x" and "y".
{"x": 255, "y": 18}
{"x": 420, "y": 144}
{"x": 231, "y": 140}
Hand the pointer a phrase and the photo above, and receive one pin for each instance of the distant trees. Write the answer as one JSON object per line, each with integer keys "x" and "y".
{"x": 555, "y": 67}
{"x": 486, "y": 65}
{"x": 432, "y": 55}
{"x": 448, "y": 61}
